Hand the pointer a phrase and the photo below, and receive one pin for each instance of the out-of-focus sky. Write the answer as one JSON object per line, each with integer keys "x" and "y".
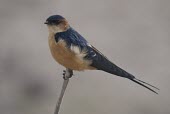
{"x": 134, "y": 34}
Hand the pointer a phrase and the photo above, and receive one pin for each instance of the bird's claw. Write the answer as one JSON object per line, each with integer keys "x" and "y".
{"x": 67, "y": 74}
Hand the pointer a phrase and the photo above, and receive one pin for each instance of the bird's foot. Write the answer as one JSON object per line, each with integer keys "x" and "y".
{"x": 67, "y": 74}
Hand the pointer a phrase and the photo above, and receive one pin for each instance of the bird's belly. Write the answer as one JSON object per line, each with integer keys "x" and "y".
{"x": 65, "y": 57}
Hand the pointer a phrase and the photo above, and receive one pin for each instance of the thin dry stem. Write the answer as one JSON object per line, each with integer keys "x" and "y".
{"x": 66, "y": 77}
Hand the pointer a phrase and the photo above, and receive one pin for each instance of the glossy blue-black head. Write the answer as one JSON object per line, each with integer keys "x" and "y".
{"x": 56, "y": 24}
{"x": 54, "y": 19}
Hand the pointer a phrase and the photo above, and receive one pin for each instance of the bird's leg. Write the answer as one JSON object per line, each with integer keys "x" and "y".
{"x": 68, "y": 73}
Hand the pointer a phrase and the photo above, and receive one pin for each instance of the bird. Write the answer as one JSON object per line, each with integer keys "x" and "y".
{"x": 73, "y": 51}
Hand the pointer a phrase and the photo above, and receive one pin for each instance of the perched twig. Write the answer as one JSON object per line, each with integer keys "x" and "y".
{"x": 66, "y": 75}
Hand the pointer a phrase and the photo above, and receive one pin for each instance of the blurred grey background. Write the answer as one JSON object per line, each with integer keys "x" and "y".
{"x": 134, "y": 34}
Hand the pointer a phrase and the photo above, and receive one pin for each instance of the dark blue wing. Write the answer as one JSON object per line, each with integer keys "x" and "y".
{"x": 72, "y": 37}
{"x": 100, "y": 62}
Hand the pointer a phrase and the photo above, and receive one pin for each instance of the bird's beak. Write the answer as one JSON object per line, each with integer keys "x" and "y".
{"x": 46, "y": 23}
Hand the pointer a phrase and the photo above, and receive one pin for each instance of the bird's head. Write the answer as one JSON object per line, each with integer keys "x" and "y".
{"x": 56, "y": 24}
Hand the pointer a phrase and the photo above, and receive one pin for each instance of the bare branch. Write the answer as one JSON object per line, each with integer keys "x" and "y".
{"x": 66, "y": 75}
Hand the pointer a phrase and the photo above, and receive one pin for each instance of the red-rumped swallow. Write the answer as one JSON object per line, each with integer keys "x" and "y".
{"x": 72, "y": 51}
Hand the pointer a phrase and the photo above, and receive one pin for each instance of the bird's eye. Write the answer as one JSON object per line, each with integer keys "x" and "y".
{"x": 54, "y": 22}
{"x": 57, "y": 22}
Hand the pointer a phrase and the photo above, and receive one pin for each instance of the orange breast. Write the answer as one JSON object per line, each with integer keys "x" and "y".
{"x": 66, "y": 57}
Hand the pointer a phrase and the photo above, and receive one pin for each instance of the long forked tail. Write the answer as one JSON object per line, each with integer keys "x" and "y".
{"x": 120, "y": 72}
{"x": 142, "y": 84}
{"x": 113, "y": 69}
